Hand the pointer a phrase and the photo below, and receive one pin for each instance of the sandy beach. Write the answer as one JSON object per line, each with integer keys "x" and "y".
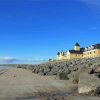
{"x": 16, "y": 84}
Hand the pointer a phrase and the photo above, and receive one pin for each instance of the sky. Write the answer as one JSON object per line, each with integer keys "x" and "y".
{"x": 32, "y": 31}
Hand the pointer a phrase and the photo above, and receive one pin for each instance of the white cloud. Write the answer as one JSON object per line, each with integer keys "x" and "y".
{"x": 12, "y": 60}
{"x": 7, "y": 60}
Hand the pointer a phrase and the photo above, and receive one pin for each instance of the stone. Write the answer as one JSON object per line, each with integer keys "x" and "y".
{"x": 33, "y": 71}
{"x": 97, "y": 75}
{"x": 75, "y": 78}
{"x": 97, "y": 69}
{"x": 73, "y": 68}
{"x": 98, "y": 91}
{"x": 46, "y": 69}
{"x": 87, "y": 70}
{"x": 62, "y": 76}
{"x": 88, "y": 84}
{"x": 18, "y": 66}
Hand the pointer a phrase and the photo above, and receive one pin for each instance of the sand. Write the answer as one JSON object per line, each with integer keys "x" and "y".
{"x": 22, "y": 83}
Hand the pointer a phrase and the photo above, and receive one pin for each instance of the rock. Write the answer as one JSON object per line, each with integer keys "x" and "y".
{"x": 97, "y": 69}
{"x": 33, "y": 71}
{"x": 65, "y": 70}
{"x": 52, "y": 72}
{"x": 41, "y": 73}
{"x": 97, "y": 75}
{"x": 75, "y": 77}
{"x": 46, "y": 69}
{"x": 62, "y": 76}
{"x": 88, "y": 84}
{"x": 73, "y": 68}
{"x": 18, "y": 66}
{"x": 87, "y": 70}
{"x": 41, "y": 70}
{"x": 98, "y": 91}
{"x": 37, "y": 70}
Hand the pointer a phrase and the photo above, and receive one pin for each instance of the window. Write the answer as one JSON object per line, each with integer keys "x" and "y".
{"x": 94, "y": 51}
{"x": 90, "y": 52}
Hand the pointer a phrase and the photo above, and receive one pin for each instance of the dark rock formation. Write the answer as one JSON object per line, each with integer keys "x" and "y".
{"x": 62, "y": 76}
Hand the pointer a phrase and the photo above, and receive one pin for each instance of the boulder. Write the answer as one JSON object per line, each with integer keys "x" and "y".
{"x": 33, "y": 70}
{"x": 19, "y": 66}
{"x": 74, "y": 75}
{"x": 46, "y": 69}
{"x": 52, "y": 72}
{"x": 62, "y": 76}
{"x": 88, "y": 84}
{"x": 73, "y": 68}
{"x": 98, "y": 91}
{"x": 97, "y": 75}
{"x": 97, "y": 69}
{"x": 64, "y": 69}
{"x": 87, "y": 70}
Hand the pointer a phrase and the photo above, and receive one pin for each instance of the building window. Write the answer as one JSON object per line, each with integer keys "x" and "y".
{"x": 94, "y": 51}
{"x": 90, "y": 52}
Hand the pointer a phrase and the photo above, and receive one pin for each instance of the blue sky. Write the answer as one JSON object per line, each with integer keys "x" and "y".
{"x": 32, "y": 31}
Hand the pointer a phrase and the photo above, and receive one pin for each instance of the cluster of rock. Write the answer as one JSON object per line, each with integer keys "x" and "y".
{"x": 53, "y": 68}
{"x": 84, "y": 72}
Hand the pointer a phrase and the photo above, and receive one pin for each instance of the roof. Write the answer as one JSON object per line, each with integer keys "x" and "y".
{"x": 82, "y": 49}
{"x": 76, "y": 52}
{"x": 62, "y": 53}
{"x": 58, "y": 53}
{"x": 96, "y": 46}
{"x": 77, "y": 44}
